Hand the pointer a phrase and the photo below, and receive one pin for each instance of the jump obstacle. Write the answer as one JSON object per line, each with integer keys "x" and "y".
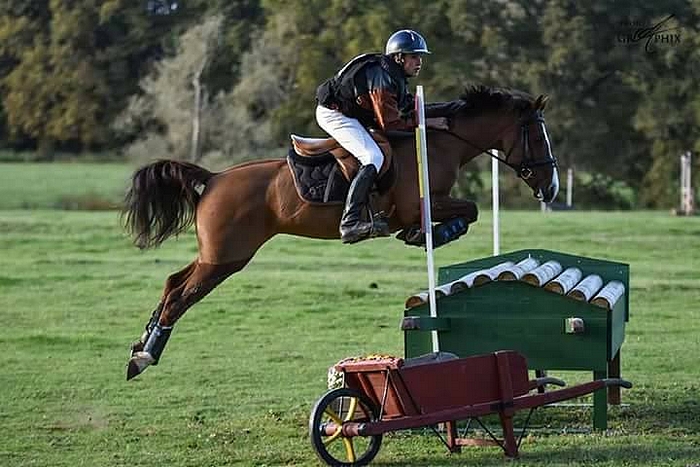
{"x": 562, "y": 312}
{"x": 550, "y": 310}
{"x": 497, "y": 319}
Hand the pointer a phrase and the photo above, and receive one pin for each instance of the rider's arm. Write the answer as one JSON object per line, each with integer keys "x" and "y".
{"x": 382, "y": 99}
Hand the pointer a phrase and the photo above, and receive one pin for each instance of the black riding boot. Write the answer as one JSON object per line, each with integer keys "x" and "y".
{"x": 352, "y": 227}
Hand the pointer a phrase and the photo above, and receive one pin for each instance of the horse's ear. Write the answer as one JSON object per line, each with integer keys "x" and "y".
{"x": 541, "y": 102}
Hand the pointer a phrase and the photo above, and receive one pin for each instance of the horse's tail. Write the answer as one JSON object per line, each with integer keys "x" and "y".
{"x": 161, "y": 200}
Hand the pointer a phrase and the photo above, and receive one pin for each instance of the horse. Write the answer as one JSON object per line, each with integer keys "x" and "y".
{"x": 237, "y": 210}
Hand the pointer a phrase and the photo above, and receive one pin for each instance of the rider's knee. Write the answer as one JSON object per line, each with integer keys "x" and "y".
{"x": 375, "y": 158}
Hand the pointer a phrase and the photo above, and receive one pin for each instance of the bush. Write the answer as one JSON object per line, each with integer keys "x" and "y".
{"x": 590, "y": 191}
{"x": 598, "y": 191}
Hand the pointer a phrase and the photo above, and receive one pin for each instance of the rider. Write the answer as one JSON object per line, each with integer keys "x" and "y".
{"x": 371, "y": 91}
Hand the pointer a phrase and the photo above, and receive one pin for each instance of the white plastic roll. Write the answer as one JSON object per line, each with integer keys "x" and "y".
{"x": 564, "y": 281}
{"x": 417, "y": 299}
{"x": 543, "y": 273}
{"x": 518, "y": 270}
{"x": 609, "y": 295}
{"x": 464, "y": 282}
{"x": 487, "y": 275}
{"x": 444, "y": 289}
{"x": 587, "y": 288}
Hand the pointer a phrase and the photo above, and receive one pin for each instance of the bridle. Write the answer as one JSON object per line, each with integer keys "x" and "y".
{"x": 528, "y": 162}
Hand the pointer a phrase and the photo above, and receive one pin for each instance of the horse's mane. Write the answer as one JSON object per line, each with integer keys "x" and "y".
{"x": 478, "y": 98}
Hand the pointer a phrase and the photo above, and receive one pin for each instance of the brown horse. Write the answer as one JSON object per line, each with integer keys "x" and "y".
{"x": 236, "y": 211}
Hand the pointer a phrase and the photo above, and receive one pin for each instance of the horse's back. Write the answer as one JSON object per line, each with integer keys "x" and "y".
{"x": 236, "y": 214}
{"x": 245, "y": 205}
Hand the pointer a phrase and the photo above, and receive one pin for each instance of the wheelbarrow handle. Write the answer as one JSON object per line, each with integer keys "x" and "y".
{"x": 617, "y": 382}
{"x": 544, "y": 380}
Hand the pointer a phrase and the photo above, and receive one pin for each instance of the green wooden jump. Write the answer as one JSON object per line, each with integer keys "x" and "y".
{"x": 514, "y": 315}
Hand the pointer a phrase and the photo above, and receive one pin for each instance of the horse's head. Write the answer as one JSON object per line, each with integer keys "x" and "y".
{"x": 529, "y": 152}
{"x": 510, "y": 121}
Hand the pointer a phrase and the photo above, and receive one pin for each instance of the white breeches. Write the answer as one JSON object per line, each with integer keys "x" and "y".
{"x": 351, "y": 135}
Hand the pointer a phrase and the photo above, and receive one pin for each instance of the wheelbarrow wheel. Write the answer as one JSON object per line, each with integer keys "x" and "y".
{"x": 329, "y": 413}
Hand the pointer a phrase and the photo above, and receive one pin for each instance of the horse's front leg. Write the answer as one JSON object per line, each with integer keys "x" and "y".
{"x": 454, "y": 216}
{"x": 445, "y": 208}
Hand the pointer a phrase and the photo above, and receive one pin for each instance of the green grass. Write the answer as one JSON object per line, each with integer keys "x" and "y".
{"x": 245, "y": 366}
{"x": 62, "y": 185}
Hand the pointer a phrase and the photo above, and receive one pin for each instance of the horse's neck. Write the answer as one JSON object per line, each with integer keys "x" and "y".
{"x": 482, "y": 133}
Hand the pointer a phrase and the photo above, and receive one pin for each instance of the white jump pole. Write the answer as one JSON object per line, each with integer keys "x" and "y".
{"x": 424, "y": 191}
{"x": 495, "y": 204}
{"x": 569, "y": 187}
{"x": 686, "y": 184}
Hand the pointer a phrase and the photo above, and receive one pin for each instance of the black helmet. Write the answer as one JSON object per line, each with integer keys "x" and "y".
{"x": 406, "y": 41}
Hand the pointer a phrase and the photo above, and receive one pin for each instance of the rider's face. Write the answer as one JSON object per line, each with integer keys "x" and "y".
{"x": 411, "y": 64}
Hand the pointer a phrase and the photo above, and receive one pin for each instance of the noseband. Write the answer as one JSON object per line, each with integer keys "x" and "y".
{"x": 528, "y": 162}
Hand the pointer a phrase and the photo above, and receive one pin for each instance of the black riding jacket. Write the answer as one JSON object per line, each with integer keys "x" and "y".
{"x": 373, "y": 89}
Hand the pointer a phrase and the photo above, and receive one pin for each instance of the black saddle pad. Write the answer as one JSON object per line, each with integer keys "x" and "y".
{"x": 318, "y": 179}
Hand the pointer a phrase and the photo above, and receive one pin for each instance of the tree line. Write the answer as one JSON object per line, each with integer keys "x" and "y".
{"x": 223, "y": 81}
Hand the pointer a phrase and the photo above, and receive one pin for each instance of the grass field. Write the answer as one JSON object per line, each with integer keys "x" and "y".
{"x": 245, "y": 366}
{"x": 62, "y": 185}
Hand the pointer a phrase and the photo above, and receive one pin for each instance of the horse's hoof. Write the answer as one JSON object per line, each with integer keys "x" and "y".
{"x": 382, "y": 231}
{"x": 132, "y": 370}
{"x": 137, "y": 364}
{"x": 379, "y": 229}
{"x": 412, "y": 236}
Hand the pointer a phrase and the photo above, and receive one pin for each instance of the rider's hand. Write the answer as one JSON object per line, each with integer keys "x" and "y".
{"x": 438, "y": 123}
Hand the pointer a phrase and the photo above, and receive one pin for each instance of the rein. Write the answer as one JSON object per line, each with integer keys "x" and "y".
{"x": 524, "y": 170}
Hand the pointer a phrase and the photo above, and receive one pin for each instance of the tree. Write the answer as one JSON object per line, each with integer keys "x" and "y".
{"x": 669, "y": 113}
{"x": 66, "y": 69}
{"x": 174, "y": 100}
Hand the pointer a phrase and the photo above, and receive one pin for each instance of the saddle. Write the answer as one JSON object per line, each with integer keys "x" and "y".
{"x": 323, "y": 169}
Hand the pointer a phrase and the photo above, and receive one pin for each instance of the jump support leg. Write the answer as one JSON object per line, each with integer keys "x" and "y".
{"x": 600, "y": 404}
{"x": 614, "y": 372}
{"x": 603, "y": 397}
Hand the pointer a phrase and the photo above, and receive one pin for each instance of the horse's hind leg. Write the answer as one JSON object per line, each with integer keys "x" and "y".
{"x": 194, "y": 286}
{"x": 174, "y": 280}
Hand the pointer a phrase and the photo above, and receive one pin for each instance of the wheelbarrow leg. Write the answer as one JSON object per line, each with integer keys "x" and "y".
{"x": 451, "y": 429}
{"x": 510, "y": 446}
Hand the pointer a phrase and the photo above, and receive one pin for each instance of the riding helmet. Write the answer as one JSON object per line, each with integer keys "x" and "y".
{"x": 406, "y": 41}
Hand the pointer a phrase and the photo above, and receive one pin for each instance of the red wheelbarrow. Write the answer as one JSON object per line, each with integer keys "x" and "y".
{"x": 389, "y": 394}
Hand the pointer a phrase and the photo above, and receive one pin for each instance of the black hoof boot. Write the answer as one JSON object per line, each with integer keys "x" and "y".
{"x": 443, "y": 233}
{"x": 156, "y": 342}
{"x": 448, "y": 231}
{"x": 137, "y": 346}
{"x": 152, "y": 350}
